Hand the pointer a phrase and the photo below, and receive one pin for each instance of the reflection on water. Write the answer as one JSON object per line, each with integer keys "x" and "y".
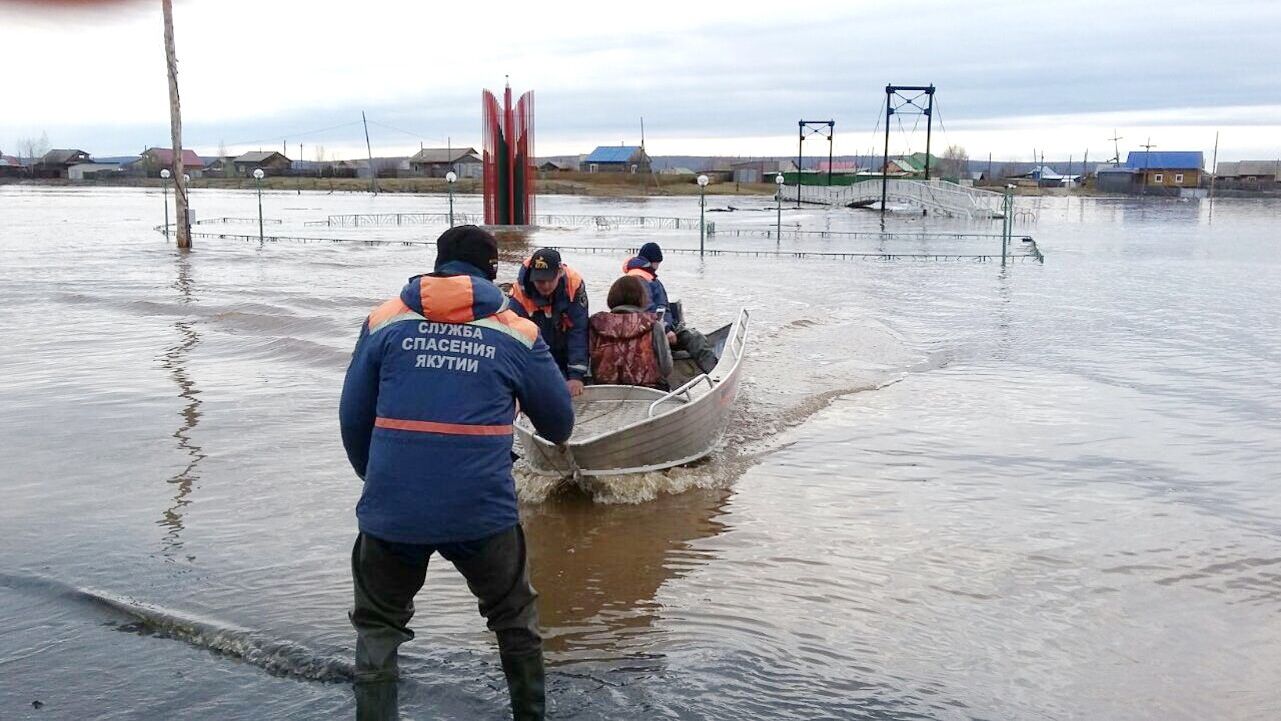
{"x": 175, "y": 361}
{"x": 598, "y": 567}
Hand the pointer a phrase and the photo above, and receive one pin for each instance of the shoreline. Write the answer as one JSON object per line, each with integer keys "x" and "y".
{"x": 598, "y": 185}
{"x": 581, "y": 184}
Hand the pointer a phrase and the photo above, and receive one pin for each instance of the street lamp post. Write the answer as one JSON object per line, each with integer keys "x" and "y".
{"x": 258, "y": 175}
{"x": 1007, "y": 221}
{"x": 164, "y": 187}
{"x": 450, "y": 178}
{"x": 186, "y": 183}
{"x": 702, "y": 206}
{"x": 778, "y": 224}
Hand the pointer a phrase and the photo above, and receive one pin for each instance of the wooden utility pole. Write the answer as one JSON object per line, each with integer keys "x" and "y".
{"x": 1214, "y": 172}
{"x": 369, "y": 150}
{"x": 175, "y": 129}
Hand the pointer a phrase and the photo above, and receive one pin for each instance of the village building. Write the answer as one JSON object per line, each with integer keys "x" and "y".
{"x": 1116, "y": 179}
{"x": 11, "y": 167}
{"x": 1044, "y": 176}
{"x": 55, "y": 163}
{"x": 617, "y": 159}
{"x": 221, "y": 166}
{"x": 96, "y": 170}
{"x": 903, "y": 168}
{"x": 552, "y": 166}
{"x": 1167, "y": 168}
{"x": 436, "y": 162}
{"x": 271, "y": 162}
{"x": 1248, "y": 174}
{"x": 153, "y": 160}
{"x": 384, "y": 167}
{"x": 718, "y": 172}
{"x": 759, "y": 171}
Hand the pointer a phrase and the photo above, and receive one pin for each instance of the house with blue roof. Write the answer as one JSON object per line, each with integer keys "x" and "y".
{"x": 617, "y": 159}
{"x": 1167, "y": 168}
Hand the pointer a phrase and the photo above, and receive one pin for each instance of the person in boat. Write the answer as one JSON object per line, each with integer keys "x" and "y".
{"x": 679, "y": 336}
{"x": 426, "y": 418}
{"x": 628, "y": 343}
{"x": 553, "y": 295}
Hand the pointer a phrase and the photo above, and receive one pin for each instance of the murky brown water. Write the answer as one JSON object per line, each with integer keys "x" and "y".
{"x": 950, "y": 491}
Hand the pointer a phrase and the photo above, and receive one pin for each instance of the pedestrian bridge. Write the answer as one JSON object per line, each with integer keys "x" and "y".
{"x": 931, "y": 196}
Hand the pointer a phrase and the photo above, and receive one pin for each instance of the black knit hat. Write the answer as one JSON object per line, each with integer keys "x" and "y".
{"x": 471, "y": 244}
{"x": 651, "y": 252}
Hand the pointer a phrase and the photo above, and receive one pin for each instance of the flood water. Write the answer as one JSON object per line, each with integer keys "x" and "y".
{"x": 950, "y": 490}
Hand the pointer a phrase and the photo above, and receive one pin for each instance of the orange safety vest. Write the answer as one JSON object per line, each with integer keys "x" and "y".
{"x": 573, "y": 282}
{"x": 644, "y": 274}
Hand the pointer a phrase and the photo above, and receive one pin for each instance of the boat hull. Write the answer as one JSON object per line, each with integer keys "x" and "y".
{"x": 630, "y": 429}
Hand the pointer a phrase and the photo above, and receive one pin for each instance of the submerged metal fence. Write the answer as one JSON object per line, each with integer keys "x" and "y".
{"x": 357, "y": 220}
{"x": 1031, "y": 251}
{"x": 237, "y": 221}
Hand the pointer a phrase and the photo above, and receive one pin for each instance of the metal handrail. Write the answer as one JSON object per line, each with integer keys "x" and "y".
{"x": 947, "y": 197}
{"x": 683, "y": 389}
{"x": 740, "y": 333}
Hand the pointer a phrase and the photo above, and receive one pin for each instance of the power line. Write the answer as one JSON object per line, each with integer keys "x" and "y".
{"x": 286, "y": 136}
{"x": 420, "y": 136}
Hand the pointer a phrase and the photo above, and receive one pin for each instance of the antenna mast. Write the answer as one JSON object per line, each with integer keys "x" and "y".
{"x": 1116, "y": 149}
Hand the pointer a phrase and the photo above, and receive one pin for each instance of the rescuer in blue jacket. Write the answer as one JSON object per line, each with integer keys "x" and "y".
{"x": 426, "y": 415}
{"x": 681, "y": 337}
{"x": 554, "y": 296}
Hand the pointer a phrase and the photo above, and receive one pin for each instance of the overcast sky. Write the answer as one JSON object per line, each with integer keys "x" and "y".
{"x": 708, "y": 77}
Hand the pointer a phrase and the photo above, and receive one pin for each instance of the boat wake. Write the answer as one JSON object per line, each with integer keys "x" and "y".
{"x": 279, "y": 657}
{"x": 774, "y": 400}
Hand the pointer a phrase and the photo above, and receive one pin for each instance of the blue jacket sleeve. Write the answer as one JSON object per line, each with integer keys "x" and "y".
{"x": 658, "y": 302}
{"x": 544, "y": 397}
{"x": 359, "y": 405}
{"x": 578, "y": 356}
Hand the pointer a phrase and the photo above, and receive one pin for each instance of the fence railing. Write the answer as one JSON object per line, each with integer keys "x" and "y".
{"x": 357, "y": 220}
{"x": 1028, "y": 251}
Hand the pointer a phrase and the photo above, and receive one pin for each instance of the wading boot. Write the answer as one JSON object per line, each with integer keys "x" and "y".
{"x": 376, "y": 701}
{"x": 699, "y": 349}
{"x": 525, "y": 684}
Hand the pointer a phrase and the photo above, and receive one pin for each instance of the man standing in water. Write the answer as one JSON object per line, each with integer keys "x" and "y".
{"x": 645, "y": 266}
{"x": 426, "y": 414}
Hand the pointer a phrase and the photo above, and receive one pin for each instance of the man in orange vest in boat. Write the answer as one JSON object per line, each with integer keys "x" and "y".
{"x": 629, "y": 345}
{"x": 554, "y": 297}
{"x": 679, "y": 336}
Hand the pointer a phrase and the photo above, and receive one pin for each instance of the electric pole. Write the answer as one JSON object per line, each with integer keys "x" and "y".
{"x": 175, "y": 131}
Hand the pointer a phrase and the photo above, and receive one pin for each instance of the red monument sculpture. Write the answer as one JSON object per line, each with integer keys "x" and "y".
{"x": 508, "y": 158}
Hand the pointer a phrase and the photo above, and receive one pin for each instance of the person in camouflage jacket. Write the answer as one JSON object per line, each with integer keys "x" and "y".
{"x": 628, "y": 343}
